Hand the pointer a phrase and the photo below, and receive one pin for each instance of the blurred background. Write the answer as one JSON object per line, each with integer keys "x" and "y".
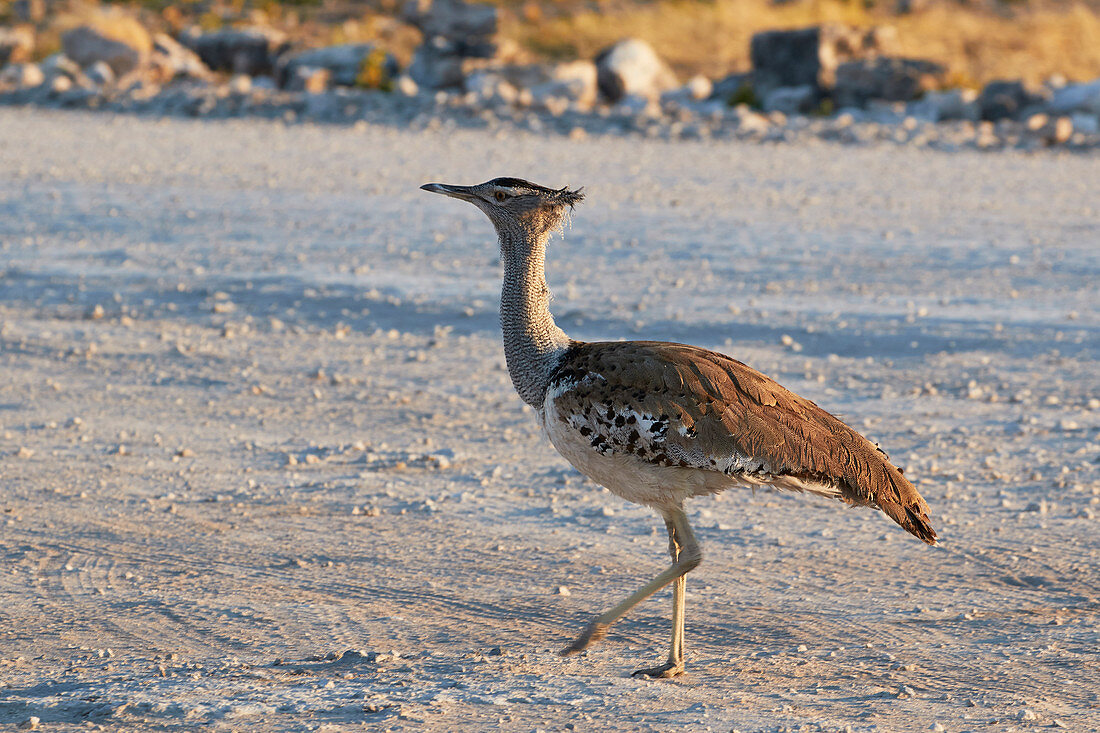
{"x": 977, "y": 41}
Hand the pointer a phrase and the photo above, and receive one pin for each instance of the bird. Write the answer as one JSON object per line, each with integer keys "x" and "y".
{"x": 658, "y": 423}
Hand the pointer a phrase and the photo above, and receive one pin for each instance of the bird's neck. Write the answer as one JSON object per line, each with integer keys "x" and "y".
{"x": 533, "y": 343}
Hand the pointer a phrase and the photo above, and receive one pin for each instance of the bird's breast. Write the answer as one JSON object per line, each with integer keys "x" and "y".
{"x": 625, "y": 475}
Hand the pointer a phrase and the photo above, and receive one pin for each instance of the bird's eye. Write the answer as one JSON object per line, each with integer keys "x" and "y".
{"x": 499, "y": 195}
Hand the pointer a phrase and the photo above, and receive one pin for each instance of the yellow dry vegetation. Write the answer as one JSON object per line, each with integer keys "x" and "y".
{"x": 712, "y": 38}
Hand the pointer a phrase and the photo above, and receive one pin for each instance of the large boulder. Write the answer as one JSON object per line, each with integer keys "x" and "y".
{"x": 889, "y": 79}
{"x": 345, "y": 64}
{"x": 121, "y": 43}
{"x": 810, "y": 56}
{"x": 1001, "y": 100}
{"x": 471, "y": 26}
{"x": 249, "y": 51}
{"x": 454, "y": 31}
{"x": 16, "y": 44}
{"x": 632, "y": 67}
{"x": 437, "y": 64}
{"x": 1076, "y": 98}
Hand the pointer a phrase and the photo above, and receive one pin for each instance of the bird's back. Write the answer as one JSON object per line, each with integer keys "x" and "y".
{"x": 673, "y": 406}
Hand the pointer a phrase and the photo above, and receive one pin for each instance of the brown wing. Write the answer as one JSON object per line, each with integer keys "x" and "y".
{"x": 681, "y": 405}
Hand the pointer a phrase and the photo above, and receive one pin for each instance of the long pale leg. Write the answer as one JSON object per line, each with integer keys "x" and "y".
{"x": 687, "y": 559}
{"x": 675, "y": 664}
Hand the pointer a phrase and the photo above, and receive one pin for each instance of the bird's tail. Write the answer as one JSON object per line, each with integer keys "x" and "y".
{"x": 896, "y": 496}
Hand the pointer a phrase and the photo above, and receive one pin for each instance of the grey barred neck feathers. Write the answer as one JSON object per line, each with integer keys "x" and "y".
{"x": 524, "y": 215}
{"x": 533, "y": 343}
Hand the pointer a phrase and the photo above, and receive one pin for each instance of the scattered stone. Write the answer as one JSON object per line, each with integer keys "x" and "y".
{"x": 30, "y": 723}
{"x": 632, "y": 67}
{"x": 952, "y": 104}
{"x": 1001, "y": 100}
{"x": 21, "y": 76}
{"x": 1039, "y": 507}
{"x": 239, "y": 84}
{"x": 100, "y": 74}
{"x": 251, "y": 51}
{"x": 791, "y": 100}
{"x": 308, "y": 79}
{"x": 407, "y": 85}
{"x": 356, "y": 64}
{"x": 575, "y": 81}
{"x": 696, "y": 89}
{"x": 563, "y": 591}
{"x": 735, "y": 89}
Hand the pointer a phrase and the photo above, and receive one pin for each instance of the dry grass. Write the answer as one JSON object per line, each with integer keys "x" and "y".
{"x": 712, "y": 38}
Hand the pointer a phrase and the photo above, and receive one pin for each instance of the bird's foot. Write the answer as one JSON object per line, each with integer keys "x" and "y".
{"x": 593, "y": 632}
{"x": 661, "y": 671}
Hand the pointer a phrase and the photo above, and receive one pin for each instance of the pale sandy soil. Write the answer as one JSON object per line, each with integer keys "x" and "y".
{"x": 253, "y": 415}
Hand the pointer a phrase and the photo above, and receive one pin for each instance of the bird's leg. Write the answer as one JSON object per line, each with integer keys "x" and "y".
{"x": 675, "y": 664}
{"x": 687, "y": 559}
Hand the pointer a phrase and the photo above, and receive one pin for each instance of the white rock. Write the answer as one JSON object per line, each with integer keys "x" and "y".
{"x": 240, "y": 84}
{"x": 699, "y": 86}
{"x": 405, "y": 85}
{"x": 632, "y": 67}
{"x": 100, "y": 74}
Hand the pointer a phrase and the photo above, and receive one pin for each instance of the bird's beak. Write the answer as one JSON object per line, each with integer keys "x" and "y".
{"x": 458, "y": 192}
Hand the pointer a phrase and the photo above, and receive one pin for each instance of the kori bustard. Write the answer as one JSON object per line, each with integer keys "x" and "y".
{"x": 658, "y": 423}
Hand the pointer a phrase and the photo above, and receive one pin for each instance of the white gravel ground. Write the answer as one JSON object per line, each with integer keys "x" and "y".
{"x": 253, "y": 415}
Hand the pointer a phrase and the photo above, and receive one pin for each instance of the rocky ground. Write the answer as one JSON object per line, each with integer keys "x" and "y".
{"x": 826, "y": 82}
{"x": 262, "y": 467}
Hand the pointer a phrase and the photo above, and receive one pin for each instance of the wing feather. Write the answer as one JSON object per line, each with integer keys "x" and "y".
{"x": 679, "y": 405}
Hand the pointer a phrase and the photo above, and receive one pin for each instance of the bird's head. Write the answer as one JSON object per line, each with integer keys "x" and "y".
{"x": 515, "y": 206}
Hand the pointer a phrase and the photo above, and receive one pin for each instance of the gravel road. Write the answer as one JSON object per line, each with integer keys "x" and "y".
{"x": 261, "y": 467}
